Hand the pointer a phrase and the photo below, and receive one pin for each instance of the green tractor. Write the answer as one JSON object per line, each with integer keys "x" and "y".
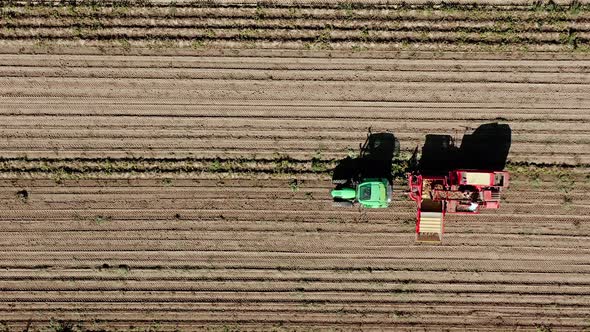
{"x": 370, "y": 193}
{"x": 367, "y": 179}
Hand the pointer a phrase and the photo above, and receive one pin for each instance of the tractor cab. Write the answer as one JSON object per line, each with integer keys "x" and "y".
{"x": 371, "y": 193}
{"x": 375, "y": 193}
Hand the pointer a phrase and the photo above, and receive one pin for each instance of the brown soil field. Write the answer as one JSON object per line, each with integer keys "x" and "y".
{"x": 153, "y": 196}
{"x": 186, "y": 186}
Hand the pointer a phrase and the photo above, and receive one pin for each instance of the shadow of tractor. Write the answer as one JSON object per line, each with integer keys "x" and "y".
{"x": 486, "y": 148}
{"x": 374, "y": 162}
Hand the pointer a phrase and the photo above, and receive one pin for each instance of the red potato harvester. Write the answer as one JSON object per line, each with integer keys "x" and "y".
{"x": 461, "y": 191}
{"x": 460, "y": 180}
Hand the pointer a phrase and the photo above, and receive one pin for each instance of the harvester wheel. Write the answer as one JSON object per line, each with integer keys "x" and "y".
{"x": 342, "y": 204}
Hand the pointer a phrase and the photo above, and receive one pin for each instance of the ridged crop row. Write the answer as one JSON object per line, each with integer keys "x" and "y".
{"x": 346, "y": 27}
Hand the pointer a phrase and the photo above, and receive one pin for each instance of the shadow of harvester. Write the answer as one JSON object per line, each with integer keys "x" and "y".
{"x": 485, "y": 149}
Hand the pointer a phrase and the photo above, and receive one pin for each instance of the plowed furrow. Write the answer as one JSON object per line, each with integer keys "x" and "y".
{"x": 426, "y": 277}
{"x": 162, "y": 64}
{"x": 289, "y": 297}
{"x": 286, "y": 287}
{"x": 299, "y": 75}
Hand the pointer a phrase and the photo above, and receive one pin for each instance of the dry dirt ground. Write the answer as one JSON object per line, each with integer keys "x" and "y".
{"x": 176, "y": 239}
{"x": 188, "y": 188}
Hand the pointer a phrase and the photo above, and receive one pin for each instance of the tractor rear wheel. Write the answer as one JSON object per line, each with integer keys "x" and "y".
{"x": 342, "y": 204}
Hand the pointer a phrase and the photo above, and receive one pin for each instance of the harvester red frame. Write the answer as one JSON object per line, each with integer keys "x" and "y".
{"x": 452, "y": 193}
